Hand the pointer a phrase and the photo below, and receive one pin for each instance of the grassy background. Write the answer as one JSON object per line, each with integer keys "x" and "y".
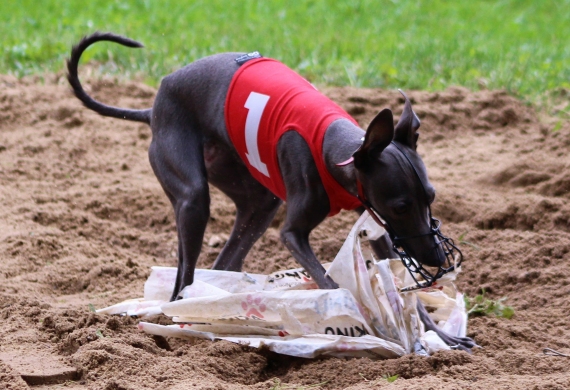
{"x": 519, "y": 45}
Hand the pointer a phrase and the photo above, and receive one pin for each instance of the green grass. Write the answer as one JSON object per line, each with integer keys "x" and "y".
{"x": 479, "y": 305}
{"x": 519, "y": 45}
{"x": 386, "y": 377}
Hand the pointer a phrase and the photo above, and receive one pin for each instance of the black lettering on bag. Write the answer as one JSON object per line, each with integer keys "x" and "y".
{"x": 355, "y": 331}
{"x": 361, "y": 332}
{"x": 339, "y": 332}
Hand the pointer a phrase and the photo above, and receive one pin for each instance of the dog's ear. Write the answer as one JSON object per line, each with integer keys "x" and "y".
{"x": 378, "y": 136}
{"x": 409, "y": 123}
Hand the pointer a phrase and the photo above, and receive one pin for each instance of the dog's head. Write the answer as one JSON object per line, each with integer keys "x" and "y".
{"x": 395, "y": 184}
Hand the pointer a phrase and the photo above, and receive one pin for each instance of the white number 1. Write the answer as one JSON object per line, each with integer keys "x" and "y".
{"x": 255, "y": 103}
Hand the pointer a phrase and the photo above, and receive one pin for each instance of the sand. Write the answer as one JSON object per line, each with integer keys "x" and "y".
{"x": 82, "y": 220}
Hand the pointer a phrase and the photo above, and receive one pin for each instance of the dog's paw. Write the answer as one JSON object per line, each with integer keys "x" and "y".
{"x": 459, "y": 343}
{"x": 253, "y": 307}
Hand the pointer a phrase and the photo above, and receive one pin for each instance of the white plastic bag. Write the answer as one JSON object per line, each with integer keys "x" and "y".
{"x": 366, "y": 316}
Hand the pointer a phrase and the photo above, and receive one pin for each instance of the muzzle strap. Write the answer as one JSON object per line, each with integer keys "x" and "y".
{"x": 368, "y": 206}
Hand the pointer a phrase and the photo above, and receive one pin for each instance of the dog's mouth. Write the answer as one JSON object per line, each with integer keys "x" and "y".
{"x": 426, "y": 277}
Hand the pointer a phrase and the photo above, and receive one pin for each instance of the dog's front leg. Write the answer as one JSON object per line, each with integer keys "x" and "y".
{"x": 305, "y": 210}
{"x": 307, "y": 204}
{"x": 296, "y": 239}
{"x": 383, "y": 247}
{"x": 462, "y": 343}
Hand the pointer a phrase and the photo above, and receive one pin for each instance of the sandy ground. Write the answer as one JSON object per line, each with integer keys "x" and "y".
{"x": 82, "y": 218}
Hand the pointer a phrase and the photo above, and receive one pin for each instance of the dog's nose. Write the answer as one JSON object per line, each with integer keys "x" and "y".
{"x": 429, "y": 253}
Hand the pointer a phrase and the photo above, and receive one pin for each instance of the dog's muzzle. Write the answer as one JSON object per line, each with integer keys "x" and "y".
{"x": 421, "y": 275}
{"x": 426, "y": 276}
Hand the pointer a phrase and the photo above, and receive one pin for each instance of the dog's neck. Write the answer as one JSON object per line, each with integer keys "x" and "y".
{"x": 342, "y": 139}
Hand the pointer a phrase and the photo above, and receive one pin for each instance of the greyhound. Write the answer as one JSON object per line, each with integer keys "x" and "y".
{"x": 377, "y": 169}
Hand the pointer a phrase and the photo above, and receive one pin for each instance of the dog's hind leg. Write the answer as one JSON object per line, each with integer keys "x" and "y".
{"x": 256, "y": 205}
{"x": 176, "y": 156}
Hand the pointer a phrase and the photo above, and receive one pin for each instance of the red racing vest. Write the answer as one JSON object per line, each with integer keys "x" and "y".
{"x": 265, "y": 99}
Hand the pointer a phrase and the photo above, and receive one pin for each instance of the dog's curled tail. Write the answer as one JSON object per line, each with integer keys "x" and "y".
{"x": 88, "y": 101}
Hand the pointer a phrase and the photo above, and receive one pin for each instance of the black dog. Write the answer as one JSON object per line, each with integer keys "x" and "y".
{"x": 192, "y": 146}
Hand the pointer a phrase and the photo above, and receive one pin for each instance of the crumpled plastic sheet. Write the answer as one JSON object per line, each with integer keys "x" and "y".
{"x": 367, "y": 316}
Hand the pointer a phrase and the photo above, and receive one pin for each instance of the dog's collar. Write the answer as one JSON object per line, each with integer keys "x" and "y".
{"x": 351, "y": 159}
{"x": 368, "y": 206}
{"x": 248, "y": 56}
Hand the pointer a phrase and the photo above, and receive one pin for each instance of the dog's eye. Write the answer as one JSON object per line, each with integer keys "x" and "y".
{"x": 401, "y": 208}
